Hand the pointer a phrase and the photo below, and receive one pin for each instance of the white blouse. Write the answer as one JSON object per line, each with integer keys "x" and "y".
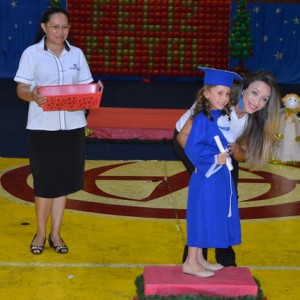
{"x": 40, "y": 67}
{"x": 237, "y": 125}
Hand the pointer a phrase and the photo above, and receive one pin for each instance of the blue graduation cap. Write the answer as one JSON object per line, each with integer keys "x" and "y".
{"x": 219, "y": 77}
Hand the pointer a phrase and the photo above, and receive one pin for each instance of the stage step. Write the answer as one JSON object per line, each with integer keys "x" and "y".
{"x": 133, "y": 123}
{"x": 170, "y": 280}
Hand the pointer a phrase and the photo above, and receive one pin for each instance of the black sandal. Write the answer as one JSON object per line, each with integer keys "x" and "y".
{"x": 58, "y": 249}
{"x": 37, "y": 249}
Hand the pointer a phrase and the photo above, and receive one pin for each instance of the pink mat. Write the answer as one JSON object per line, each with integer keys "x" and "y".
{"x": 170, "y": 280}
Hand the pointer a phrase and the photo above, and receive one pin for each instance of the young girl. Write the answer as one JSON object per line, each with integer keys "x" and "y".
{"x": 212, "y": 210}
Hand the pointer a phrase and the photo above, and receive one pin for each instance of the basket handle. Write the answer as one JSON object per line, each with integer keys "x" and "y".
{"x": 100, "y": 86}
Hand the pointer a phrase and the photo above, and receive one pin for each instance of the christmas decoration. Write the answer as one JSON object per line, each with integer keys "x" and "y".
{"x": 55, "y": 3}
{"x": 287, "y": 146}
{"x": 240, "y": 37}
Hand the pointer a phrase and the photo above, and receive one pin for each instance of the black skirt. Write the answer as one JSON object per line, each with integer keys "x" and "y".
{"x": 57, "y": 161}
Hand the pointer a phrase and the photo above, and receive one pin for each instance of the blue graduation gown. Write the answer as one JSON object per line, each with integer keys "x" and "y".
{"x": 212, "y": 208}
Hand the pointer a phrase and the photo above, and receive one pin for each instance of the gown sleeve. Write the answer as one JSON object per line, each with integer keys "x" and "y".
{"x": 201, "y": 148}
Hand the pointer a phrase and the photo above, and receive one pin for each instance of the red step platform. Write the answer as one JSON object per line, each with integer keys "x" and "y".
{"x": 170, "y": 280}
{"x": 133, "y": 123}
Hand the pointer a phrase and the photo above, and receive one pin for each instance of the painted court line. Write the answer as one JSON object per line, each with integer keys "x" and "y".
{"x": 83, "y": 265}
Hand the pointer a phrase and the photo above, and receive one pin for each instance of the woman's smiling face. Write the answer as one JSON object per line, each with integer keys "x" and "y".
{"x": 57, "y": 29}
{"x": 256, "y": 96}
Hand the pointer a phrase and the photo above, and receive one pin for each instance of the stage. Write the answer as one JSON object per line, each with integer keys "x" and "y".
{"x": 133, "y": 123}
{"x": 160, "y": 103}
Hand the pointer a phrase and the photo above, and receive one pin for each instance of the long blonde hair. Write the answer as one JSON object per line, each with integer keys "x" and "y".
{"x": 258, "y": 136}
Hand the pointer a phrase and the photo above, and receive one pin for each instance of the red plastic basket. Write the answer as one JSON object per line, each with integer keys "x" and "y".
{"x": 72, "y": 97}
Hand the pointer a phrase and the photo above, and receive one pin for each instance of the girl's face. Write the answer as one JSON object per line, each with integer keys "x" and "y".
{"x": 56, "y": 29}
{"x": 256, "y": 96}
{"x": 218, "y": 96}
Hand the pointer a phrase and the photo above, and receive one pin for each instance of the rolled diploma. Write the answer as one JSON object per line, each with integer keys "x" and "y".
{"x": 222, "y": 150}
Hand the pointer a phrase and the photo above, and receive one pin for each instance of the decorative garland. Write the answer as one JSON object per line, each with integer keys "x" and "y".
{"x": 139, "y": 282}
{"x": 55, "y": 3}
{"x": 275, "y": 161}
{"x": 90, "y": 140}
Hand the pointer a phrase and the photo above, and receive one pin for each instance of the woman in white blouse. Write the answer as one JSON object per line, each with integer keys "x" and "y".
{"x": 56, "y": 139}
